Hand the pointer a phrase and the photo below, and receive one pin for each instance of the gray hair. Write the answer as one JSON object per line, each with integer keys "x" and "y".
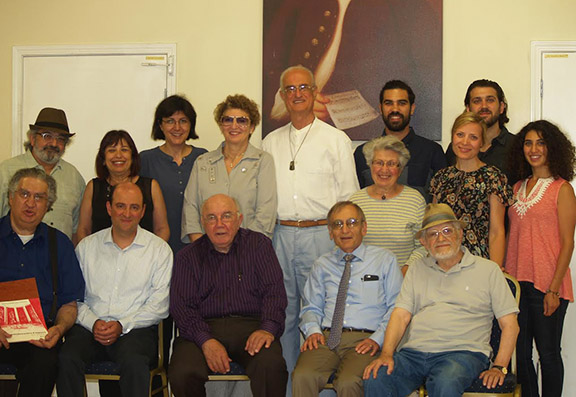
{"x": 386, "y": 143}
{"x": 293, "y": 68}
{"x": 37, "y": 174}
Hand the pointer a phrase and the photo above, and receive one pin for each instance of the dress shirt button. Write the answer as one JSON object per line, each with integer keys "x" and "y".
{"x": 347, "y": 304}
{"x": 327, "y": 13}
{"x": 180, "y": 182}
{"x": 307, "y": 55}
{"x": 321, "y": 29}
{"x": 21, "y": 265}
{"x": 181, "y": 193}
{"x": 295, "y": 197}
{"x": 314, "y": 41}
{"x": 344, "y": 322}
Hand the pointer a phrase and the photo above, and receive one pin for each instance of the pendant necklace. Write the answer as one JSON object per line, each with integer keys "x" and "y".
{"x": 293, "y": 155}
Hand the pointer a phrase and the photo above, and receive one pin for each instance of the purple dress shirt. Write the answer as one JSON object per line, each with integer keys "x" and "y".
{"x": 246, "y": 281}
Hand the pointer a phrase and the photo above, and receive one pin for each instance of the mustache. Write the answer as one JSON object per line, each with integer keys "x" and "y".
{"x": 53, "y": 148}
{"x": 394, "y": 114}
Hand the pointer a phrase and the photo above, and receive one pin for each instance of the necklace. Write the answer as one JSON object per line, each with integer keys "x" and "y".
{"x": 233, "y": 161}
{"x": 292, "y": 166}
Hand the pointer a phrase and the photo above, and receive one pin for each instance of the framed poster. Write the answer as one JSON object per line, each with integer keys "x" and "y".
{"x": 354, "y": 47}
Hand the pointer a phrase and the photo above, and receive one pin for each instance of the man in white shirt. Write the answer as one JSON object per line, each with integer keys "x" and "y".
{"x": 314, "y": 169}
{"x": 47, "y": 141}
{"x": 127, "y": 271}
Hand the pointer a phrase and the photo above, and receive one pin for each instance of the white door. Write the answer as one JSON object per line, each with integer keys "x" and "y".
{"x": 99, "y": 88}
{"x": 554, "y": 99}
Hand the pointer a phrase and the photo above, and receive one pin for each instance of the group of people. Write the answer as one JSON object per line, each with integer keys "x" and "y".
{"x": 250, "y": 249}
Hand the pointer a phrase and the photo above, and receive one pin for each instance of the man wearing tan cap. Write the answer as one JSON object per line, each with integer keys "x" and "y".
{"x": 439, "y": 331}
{"x": 47, "y": 141}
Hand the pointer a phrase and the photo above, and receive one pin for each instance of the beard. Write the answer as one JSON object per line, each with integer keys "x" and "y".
{"x": 447, "y": 254}
{"x": 48, "y": 154}
{"x": 396, "y": 126}
{"x": 491, "y": 120}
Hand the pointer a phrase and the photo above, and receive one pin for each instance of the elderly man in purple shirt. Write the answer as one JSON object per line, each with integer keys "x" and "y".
{"x": 228, "y": 301}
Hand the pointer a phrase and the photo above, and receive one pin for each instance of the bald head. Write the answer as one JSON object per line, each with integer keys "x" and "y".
{"x": 221, "y": 220}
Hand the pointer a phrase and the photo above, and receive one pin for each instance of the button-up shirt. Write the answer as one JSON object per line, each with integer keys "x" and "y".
{"x": 32, "y": 260}
{"x": 246, "y": 281}
{"x": 375, "y": 281}
{"x": 69, "y": 190}
{"x": 129, "y": 285}
{"x": 323, "y": 171}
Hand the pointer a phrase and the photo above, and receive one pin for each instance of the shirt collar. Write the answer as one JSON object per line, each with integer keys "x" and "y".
{"x": 6, "y": 228}
{"x": 359, "y": 253}
{"x": 31, "y": 160}
{"x": 408, "y": 138}
{"x": 217, "y": 155}
{"x": 139, "y": 240}
{"x": 502, "y": 136}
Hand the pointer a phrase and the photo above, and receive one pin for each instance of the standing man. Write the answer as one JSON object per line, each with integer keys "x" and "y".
{"x": 127, "y": 271}
{"x": 228, "y": 300}
{"x": 486, "y": 98}
{"x": 26, "y": 245}
{"x": 351, "y": 289}
{"x": 47, "y": 141}
{"x": 443, "y": 319}
{"x": 314, "y": 170}
{"x": 426, "y": 156}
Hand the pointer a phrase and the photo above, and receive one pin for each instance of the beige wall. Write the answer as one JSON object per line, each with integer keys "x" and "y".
{"x": 219, "y": 45}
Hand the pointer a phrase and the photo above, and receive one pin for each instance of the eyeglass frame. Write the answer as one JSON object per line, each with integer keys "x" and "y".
{"x": 51, "y": 136}
{"x": 292, "y": 89}
{"x": 226, "y": 217}
{"x": 388, "y": 164}
{"x": 235, "y": 118}
{"x": 38, "y": 197}
{"x": 169, "y": 121}
{"x": 447, "y": 232}
{"x": 351, "y": 223}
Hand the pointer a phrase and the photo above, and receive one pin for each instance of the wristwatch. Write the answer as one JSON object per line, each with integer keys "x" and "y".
{"x": 502, "y": 369}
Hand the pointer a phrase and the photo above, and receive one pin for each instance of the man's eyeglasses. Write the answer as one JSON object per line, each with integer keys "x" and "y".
{"x": 350, "y": 222}
{"x": 291, "y": 89}
{"x": 446, "y": 232}
{"x": 389, "y": 164}
{"x": 49, "y": 137}
{"x": 242, "y": 121}
{"x": 226, "y": 217}
{"x": 172, "y": 122}
{"x": 38, "y": 197}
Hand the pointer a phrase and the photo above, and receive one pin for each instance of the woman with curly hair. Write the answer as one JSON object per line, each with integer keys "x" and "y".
{"x": 477, "y": 193}
{"x": 237, "y": 169}
{"x": 540, "y": 246}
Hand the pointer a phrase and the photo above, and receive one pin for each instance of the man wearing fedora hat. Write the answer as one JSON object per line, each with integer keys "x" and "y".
{"x": 439, "y": 331}
{"x": 47, "y": 141}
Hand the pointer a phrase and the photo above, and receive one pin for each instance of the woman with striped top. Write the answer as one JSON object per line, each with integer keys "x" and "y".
{"x": 393, "y": 211}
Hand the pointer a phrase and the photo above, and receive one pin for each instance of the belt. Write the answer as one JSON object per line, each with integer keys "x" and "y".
{"x": 349, "y": 329}
{"x": 321, "y": 222}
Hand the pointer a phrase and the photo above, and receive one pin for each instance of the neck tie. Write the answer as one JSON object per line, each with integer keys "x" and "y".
{"x": 338, "y": 316}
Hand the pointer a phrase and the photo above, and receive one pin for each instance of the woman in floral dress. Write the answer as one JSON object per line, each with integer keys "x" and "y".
{"x": 477, "y": 193}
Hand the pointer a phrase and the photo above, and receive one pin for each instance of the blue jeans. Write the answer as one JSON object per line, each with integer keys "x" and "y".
{"x": 297, "y": 249}
{"x": 547, "y": 333}
{"x": 445, "y": 374}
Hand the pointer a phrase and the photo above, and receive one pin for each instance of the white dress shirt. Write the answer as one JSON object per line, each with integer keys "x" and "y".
{"x": 324, "y": 171}
{"x": 129, "y": 285}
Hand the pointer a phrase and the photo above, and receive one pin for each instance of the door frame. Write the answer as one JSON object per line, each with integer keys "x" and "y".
{"x": 537, "y": 51}
{"x": 20, "y": 53}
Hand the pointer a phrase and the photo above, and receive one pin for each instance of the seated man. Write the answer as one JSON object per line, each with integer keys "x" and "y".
{"x": 351, "y": 289}
{"x": 25, "y": 249}
{"x": 443, "y": 315}
{"x": 127, "y": 271}
{"x": 228, "y": 301}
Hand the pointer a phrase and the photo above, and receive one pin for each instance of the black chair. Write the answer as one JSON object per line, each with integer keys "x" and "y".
{"x": 109, "y": 370}
{"x": 510, "y": 387}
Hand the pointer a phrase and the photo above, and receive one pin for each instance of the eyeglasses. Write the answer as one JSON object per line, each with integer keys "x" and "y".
{"x": 242, "y": 121}
{"x": 389, "y": 164}
{"x": 172, "y": 122}
{"x": 226, "y": 217}
{"x": 446, "y": 232}
{"x": 49, "y": 137}
{"x": 38, "y": 197}
{"x": 291, "y": 89}
{"x": 350, "y": 222}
